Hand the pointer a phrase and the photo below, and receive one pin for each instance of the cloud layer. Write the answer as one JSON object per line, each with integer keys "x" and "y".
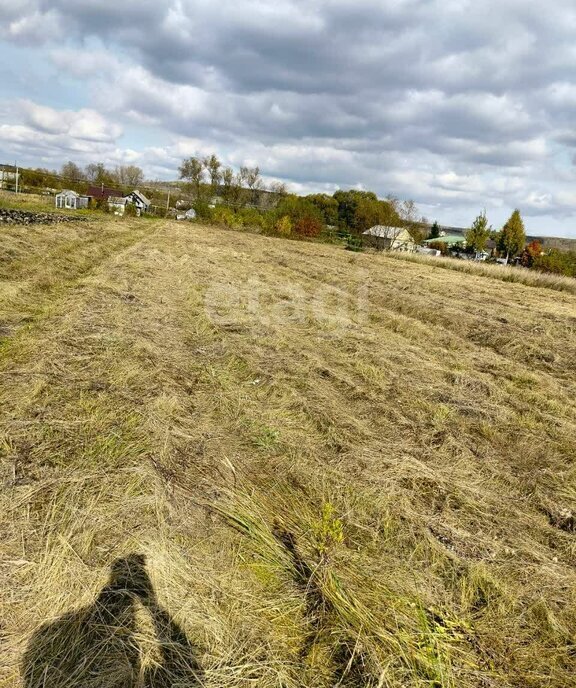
{"x": 457, "y": 104}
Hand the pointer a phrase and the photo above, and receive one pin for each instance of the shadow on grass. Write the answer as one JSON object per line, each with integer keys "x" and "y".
{"x": 97, "y": 646}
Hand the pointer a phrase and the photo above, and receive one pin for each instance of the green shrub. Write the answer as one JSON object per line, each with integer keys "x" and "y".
{"x": 250, "y": 217}
{"x": 224, "y": 216}
{"x": 557, "y": 262}
{"x": 203, "y": 210}
{"x": 101, "y": 204}
{"x": 283, "y": 226}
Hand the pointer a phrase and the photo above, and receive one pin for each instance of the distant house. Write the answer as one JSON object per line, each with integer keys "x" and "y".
{"x": 117, "y": 201}
{"x": 99, "y": 193}
{"x": 71, "y": 200}
{"x": 117, "y": 204}
{"x": 389, "y": 238}
{"x": 451, "y": 240}
{"x": 139, "y": 200}
{"x": 9, "y": 177}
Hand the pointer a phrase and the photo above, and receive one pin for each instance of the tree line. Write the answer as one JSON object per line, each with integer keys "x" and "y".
{"x": 240, "y": 198}
{"x": 510, "y": 244}
{"x": 79, "y": 178}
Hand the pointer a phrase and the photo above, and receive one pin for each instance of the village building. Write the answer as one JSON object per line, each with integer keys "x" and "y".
{"x": 71, "y": 200}
{"x": 101, "y": 192}
{"x": 139, "y": 200}
{"x": 117, "y": 204}
{"x": 450, "y": 240}
{"x": 387, "y": 238}
{"x": 9, "y": 177}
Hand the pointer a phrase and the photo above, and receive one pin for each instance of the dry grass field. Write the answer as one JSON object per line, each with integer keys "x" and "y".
{"x": 234, "y": 461}
{"x": 27, "y": 201}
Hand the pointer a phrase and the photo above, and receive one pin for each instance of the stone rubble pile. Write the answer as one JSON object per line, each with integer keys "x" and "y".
{"x": 27, "y": 217}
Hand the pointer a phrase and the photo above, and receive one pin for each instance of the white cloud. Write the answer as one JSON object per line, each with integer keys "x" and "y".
{"x": 84, "y": 124}
{"x": 456, "y": 103}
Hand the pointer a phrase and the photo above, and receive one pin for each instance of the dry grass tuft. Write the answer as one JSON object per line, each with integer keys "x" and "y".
{"x": 505, "y": 273}
{"x": 232, "y": 461}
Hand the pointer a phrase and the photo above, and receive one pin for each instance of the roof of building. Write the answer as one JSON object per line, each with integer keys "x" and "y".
{"x": 102, "y": 192}
{"x": 141, "y": 196}
{"x": 447, "y": 239}
{"x": 68, "y": 192}
{"x": 385, "y": 232}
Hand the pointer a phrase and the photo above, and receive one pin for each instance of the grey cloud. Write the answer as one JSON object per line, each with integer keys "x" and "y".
{"x": 443, "y": 99}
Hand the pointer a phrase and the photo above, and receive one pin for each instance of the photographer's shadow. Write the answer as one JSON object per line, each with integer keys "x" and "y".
{"x": 97, "y": 646}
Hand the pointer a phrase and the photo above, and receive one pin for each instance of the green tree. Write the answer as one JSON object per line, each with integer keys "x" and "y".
{"x": 512, "y": 238}
{"x": 556, "y": 261}
{"x": 479, "y": 233}
{"x": 227, "y": 183}
{"x": 360, "y": 210}
{"x": 327, "y": 205}
{"x": 305, "y": 217}
{"x": 434, "y": 231}
{"x": 192, "y": 170}
{"x": 348, "y": 204}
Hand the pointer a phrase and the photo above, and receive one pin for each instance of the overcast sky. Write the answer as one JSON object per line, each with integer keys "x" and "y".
{"x": 457, "y": 104}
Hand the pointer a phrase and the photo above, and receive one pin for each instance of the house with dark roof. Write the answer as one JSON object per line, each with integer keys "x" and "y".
{"x": 117, "y": 201}
{"x": 102, "y": 192}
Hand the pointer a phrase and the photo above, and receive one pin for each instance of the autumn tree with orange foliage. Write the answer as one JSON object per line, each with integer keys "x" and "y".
{"x": 532, "y": 251}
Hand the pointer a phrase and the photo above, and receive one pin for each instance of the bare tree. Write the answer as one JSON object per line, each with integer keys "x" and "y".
{"x": 213, "y": 165}
{"x": 227, "y": 182}
{"x": 97, "y": 173}
{"x": 232, "y": 188}
{"x": 71, "y": 172}
{"x": 250, "y": 177}
{"x": 279, "y": 189}
{"x": 275, "y": 193}
{"x": 129, "y": 175}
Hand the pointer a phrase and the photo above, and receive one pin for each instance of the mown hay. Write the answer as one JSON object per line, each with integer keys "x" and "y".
{"x": 236, "y": 461}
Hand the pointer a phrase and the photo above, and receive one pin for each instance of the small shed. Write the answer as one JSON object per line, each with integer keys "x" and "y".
{"x": 71, "y": 200}
{"x": 389, "y": 238}
{"x": 117, "y": 204}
